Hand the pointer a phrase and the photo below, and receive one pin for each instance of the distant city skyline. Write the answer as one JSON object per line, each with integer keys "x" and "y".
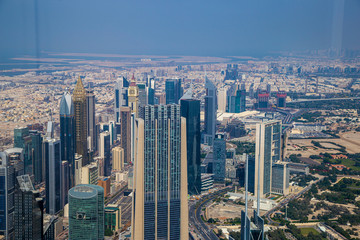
{"x": 209, "y": 28}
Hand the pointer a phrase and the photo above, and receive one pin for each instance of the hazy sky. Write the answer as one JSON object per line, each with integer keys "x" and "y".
{"x": 169, "y": 27}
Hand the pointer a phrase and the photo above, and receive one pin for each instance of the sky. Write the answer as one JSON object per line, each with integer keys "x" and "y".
{"x": 185, "y": 27}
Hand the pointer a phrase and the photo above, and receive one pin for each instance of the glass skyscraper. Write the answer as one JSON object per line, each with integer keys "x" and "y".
{"x": 36, "y": 155}
{"x": 22, "y": 139}
{"x": 190, "y": 110}
{"x": 173, "y": 90}
{"x": 219, "y": 157}
{"x": 210, "y": 111}
{"x": 86, "y": 212}
{"x": 160, "y": 209}
{"x": 121, "y": 96}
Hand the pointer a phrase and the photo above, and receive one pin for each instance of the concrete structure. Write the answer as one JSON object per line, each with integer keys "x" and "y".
{"x": 105, "y": 184}
{"x": 90, "y": 174}
{"x": 160, "y": 206}
{"x": 207, "y": 182}
{"x": 133, "y": 96}
{"x": 280, "y": 178}
{"x": 118, "y": 158}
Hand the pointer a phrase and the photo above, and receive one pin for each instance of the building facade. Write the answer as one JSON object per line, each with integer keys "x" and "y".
{"x": 210, "y": 111}
{"x": 91, "y": 129}
{"x": 125, "y": 139}
{"x": 173, "y": 90}
{"x": 118, "y": 158}
{"x": 121, "y": 96}
{"x": 160, "y": 209}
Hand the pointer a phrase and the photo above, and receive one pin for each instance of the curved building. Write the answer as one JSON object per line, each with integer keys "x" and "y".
{"x": 86, "y": 212}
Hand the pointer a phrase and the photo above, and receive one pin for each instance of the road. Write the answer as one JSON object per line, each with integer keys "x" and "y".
{"x": 201, "y": 228}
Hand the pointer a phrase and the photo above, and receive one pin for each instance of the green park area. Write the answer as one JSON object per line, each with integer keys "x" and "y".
{"x": 306, "y": 231}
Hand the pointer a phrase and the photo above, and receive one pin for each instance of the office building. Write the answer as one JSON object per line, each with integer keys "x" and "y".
{"x": 52, "y": 159}
{"x": 15, "y": 157}
{"x": 91, "y": 129}
{"x": 105, "y": 152}
{"x": 267, "y": 152}
{"x": 22, "y": 139}
{"x": 90, "y": 174}
{"x": 207, "y": 182}
{"x": 142, "y": 94}
{"x": 65, "y": 182}
{"x": 280, "y": 178}
{"x": 125, "y": 139}
{"x": 36, "y": 155}
{"x": 222, "y": 99}
{"x": 190, "y": 110}
{"x": 160, "y": 206}
{"x": 79, "y": 99}
{"x": 113, "y": 217}
{"x": 28, "y": 220}
{"x": 281, "y": 99}
{"x": 118, "y": 158}
{"x": 150, "y": 90}
{"x": 86, "y": 212}
{"x": 77, "y": 169}
{"x": 105, "y": 182}
{"x": 121, "y": 96}
{"x": 67, "y": 133}
{"x": 242, "y": 98}
{"x": 219, "y": 157}
{"x": 263, "y": 100}
{"x": 210, "y": 111}
{"x": 173, "y": 90}
{"x": 7, "y": 207}
{"x": 133, "y": 96}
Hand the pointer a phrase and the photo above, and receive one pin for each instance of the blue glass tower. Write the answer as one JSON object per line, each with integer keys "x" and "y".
{"x": 173, "y": 90}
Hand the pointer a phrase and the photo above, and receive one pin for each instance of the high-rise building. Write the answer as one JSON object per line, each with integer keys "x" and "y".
{"x": 281, "y": 99}
{"x": 267, "y": 152}
{"x": 79, "y": 99}
{"x": 91, "y": 129}
{"x": 133, "y": 96}
{"x": 173, "y": 90}
{"x": 105, "y": 182}
{"x": 118, "y": 158}
{"x": 22, "y": 139}
{"x": 67, "y": 133}
{"x": 263, "y": 100}
{"x": 210, "y": 111}
{"x": 150, "y": 89}
{"x": 77, "y": 169}
{"x": 125, "y": 139}
{"x": 28, "y": 210}
{"x": 142, "y": 94}
{"x": 113, "y": 217}
{"x": 242, "y": 98}
{"x": 15, "y": 157}
{"x": 121, "y": 96}
{"x": 280, "y": 178}
{"x": 160, "y": 208}
{"x": 65, "y": 182}
{"x": 90, "y": 174}
{"x": 221, "y": 99}
{"x": 36, "y": 155}
{"x": 86, "y": 212}
{"x": 105, "y": 151}
{"x": 190, "y": 110}
{"x": 219, "y": 157}
{"x": 7, "y": 194}
{"x": 52, "y": 159}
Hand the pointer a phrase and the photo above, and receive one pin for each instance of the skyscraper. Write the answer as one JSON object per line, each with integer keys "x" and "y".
{"x": 267, "y": 152}
{"x": 90, "y": 108}
{"x": 121, "y": 96}
{"x": 242, "y": 98}
{"x": 190, "y": 110}
{"x": 173, "y": 90}
{"x": 36, "y": 155}
{"x": 105, "y": 151}
{"x": 133, "y": 96}
{"x": 22, "y": 139}
{"x": 79, "y": 99}
{"x": 52, "y": 159}
{"x": 86, "y": 212}
{"x": 7, "y": 207}
{"x": 281, "y": 99}
{"x": 219, "y": 157}
{"x": 65, "y": 182}
{"x": 210, "y": 111}
{"x": 160, "y": 209}
{"x": 150, "y": 88}
{"x": 67, "y": 133}
{"x": 142, "y": 94}
{"x": 28, "y": 210}
{"x": 118, "y": 158}
{"x": 125, "y": 139}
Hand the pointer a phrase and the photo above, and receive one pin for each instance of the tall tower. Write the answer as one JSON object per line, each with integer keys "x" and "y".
{"x": 190, "y": 110}
{"x": 22, "y": 139}
{"x": 125, "y": 140}
{"x": 36, "y": 155}
{"x": 173, "y": 90}
{"x": 267, "y": 152}
{"x": 133, "y": 96}
{"x": 28, "y": 210}
{"x": 210, "y": 111}
{"x": 67, "y": 133}
{"x": 105, "y": 151}
{"x": 121, "y": 96}
{"x": 7, "y": 207}
{"x": 160, "y": 207}
{"x": 79, "y": 98}
{"x": 52, "y": 159}
{"x": 90, "y": 108}
{"x": 86, "y": 212}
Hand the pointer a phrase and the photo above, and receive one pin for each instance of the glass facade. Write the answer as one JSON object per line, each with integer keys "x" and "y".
{"x": 219, "y": 157}
{"x": 190, "y": 109}
{"x": 36, "y": 155}
{"x": 86, "y": 212}
{"x": 173, "y": 91}
{"x": 267, "y": 159}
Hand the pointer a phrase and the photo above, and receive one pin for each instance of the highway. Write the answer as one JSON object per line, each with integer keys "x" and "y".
{"x": 201, "y": 228}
